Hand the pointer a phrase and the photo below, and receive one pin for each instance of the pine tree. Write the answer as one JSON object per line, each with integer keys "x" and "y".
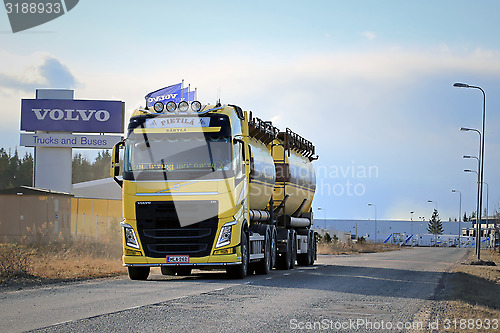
{"x": 4, "y": 168}
{"x": 25, "y": 171}
{"x": 465, "y": 219}
{"x": 101, "y": 165}
{"x": 435, "y": 226}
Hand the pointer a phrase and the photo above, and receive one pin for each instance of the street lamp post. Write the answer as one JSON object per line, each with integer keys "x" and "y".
{"x": 375, "y": 220}
{"x": 479, "y": 198}
{"x": 481, "y": 157}
{"x": 411, "y": 223}
{"x": 487, "y": 202}
{"x": 478, "y": 212}
{"x": 459, "y": 218}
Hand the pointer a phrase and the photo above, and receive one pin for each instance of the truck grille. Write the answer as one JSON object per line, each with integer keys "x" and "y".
{"x": 161, "y": 233}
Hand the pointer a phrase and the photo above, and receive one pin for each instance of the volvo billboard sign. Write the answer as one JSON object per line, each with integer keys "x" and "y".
{"x": 69, "y": 115}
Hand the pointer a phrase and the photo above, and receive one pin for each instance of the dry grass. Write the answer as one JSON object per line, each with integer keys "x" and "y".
{"x": 351, "y": 248}
{"x": 469, "y": 293}
{"x": 475, "y": 290}
{"x": 58, "y": 261}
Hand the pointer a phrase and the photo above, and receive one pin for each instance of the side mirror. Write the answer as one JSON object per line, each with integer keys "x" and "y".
{"x": 115, "y": 162}
{"x": 242, "y": 143}
{"x": 236, "y": 140}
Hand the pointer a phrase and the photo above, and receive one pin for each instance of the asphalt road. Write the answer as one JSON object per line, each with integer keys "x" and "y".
{"x": 369, "y": 292}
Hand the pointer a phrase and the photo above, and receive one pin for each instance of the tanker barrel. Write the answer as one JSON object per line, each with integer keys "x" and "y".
{"x": 259, "y": 215}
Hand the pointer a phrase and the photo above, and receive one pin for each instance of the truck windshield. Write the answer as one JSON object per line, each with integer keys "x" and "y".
{"x": 154, "y": 153}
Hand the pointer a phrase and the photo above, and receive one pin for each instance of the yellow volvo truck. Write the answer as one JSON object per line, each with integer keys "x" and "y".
{"x": 210, "y": 186}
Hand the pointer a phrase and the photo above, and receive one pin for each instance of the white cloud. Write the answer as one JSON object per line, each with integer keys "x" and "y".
{"x": 39, "y": 70}
{"x": 370, "y": 35}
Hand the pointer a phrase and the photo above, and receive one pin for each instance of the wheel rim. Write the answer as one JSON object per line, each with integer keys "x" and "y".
{"x": 244, "y": 257}
{"x": 273, "y": 249}
{"x": 268, "y": 252}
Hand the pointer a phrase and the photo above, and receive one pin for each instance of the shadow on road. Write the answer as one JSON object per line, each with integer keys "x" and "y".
{"x": 366, "y": 281}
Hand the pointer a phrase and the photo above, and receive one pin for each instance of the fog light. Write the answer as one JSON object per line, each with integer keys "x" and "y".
{"x": 224, "y": 251}
{"x": 129, "y": 252}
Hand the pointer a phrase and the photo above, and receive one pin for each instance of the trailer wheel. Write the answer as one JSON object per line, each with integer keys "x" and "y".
{"x": 293, "y": 256}
{"x": 264, "y": 266}
{"x": 240, "y": 271}
{"x": 315, "y": 247}
{"x": 310, "y": 249}
{"x": 283, "y": 259}
{"x": 138, "y": 273}
{"x": 274, "y": 244}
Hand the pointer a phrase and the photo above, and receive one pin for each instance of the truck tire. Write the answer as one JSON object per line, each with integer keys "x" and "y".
{"x": 264, "y": 266}
{"x": 138, "y": 273}
{"x": 283, "y": 259}
{"x": 240, "y": 271}
{"x": 274, "y": 246}
{"x": 168, "y": 270}
{"x": 315, "y": 247}
{"x": 310, "y": 249}
{"x": 307, "y": 259}
{"x": 293, "y": 256}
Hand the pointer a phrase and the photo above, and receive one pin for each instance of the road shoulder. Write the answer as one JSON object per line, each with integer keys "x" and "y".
{"x": 466, "y": 297}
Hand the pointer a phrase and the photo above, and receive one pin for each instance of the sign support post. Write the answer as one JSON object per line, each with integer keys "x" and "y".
{"x": 52, "y": 166}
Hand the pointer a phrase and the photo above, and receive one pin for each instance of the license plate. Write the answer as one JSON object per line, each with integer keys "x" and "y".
{"x": 177, "y": 259}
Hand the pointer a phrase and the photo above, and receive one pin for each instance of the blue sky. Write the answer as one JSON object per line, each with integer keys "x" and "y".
{"x": 368, "y": 82}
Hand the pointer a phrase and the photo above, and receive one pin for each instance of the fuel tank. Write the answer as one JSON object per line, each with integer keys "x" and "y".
{"x": 295, "y": 177}
{"x": 262, "y": 175}
{"x": 280, "y": 170}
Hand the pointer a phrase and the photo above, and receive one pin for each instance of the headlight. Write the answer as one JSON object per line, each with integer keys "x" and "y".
{"x": 225, "y": 234}
{"x": 130, "y": 238}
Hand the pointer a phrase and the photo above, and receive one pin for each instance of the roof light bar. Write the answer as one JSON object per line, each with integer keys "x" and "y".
{"x": 183, "y": 106}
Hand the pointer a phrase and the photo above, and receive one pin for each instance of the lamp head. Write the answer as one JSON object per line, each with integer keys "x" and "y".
{"x": 460, "y": 85}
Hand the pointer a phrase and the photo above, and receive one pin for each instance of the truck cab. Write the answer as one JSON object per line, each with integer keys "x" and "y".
{"x": 197, "y": 192}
